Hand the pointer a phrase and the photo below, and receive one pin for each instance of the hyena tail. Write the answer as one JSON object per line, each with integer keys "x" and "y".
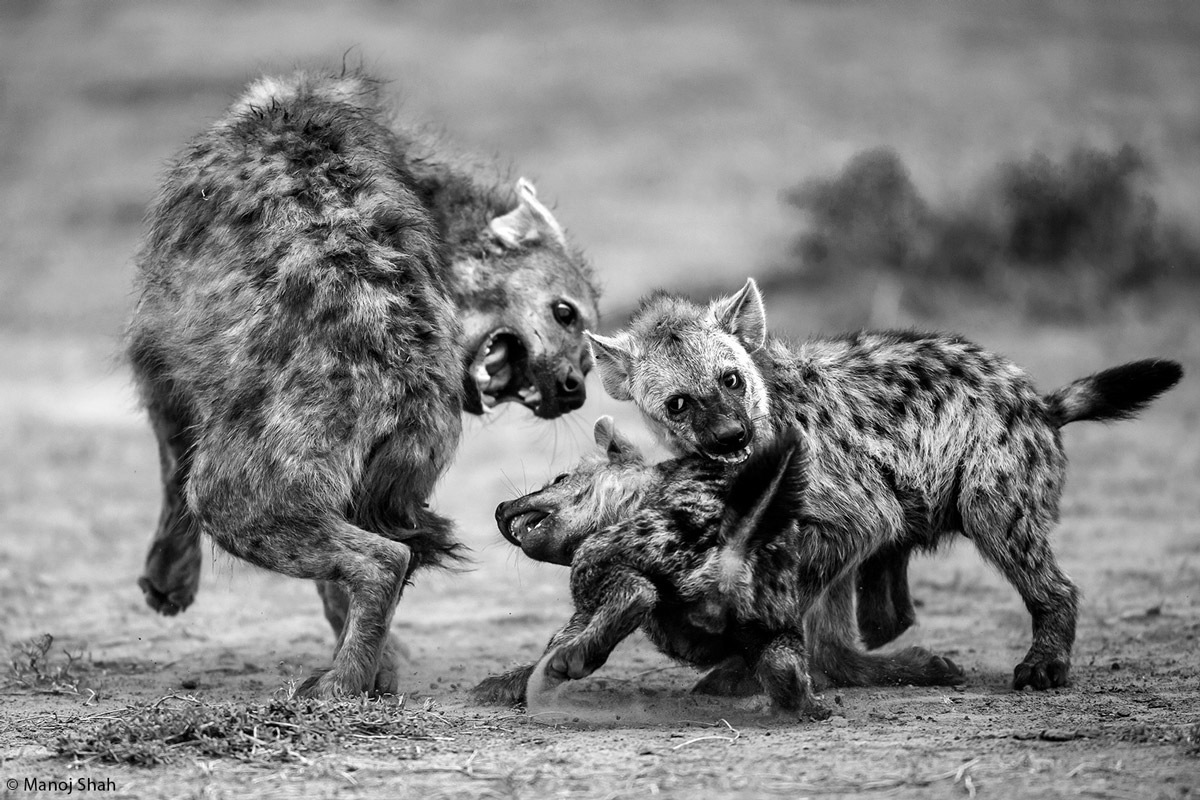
{"x": 1113, "y": 394}
{"x": 763, "y": 500}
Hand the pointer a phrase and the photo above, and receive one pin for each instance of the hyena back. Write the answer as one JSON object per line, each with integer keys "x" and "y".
{"x": 913, "y": 436}
{"x": 703, "y": 559}
{"x": 308, "y": 331}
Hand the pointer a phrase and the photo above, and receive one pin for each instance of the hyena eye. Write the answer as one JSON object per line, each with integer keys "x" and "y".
{"x": 676, "y": 404}
{"x": 565, "y": 313}
{"x": 732, "y": 380}
{"x": 559, "y": 479}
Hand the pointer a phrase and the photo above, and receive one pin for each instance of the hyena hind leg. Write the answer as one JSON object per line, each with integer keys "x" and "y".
{"x": 838, "y": 659}
{"x": 370, "y": 569}
{"x": 1024, "y": 555}
{"x": 336, "y": 603}
{"x": 171, "y": 575}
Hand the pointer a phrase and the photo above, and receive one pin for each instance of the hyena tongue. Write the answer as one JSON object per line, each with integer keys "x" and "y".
{"x": 498, "y": 380}
{"x": 493, "y": 373}
{"x": 496, "y": 355}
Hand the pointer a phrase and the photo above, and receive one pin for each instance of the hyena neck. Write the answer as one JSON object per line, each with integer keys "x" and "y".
{"x": 775, "y": 364}
{"x": 461, "y": 206}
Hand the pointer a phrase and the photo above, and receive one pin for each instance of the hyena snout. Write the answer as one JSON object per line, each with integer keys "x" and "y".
{"x": 726, "y": 436}
{"x": 571, "y": 391}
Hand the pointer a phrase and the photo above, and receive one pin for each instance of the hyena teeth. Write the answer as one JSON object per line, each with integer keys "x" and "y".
{"x": 529, "y": 395}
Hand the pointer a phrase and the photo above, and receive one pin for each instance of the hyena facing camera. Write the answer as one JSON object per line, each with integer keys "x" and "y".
{"x": 912, "y": 437}
{"x": 704, "y": 559}
{"x": 319, "y": 297}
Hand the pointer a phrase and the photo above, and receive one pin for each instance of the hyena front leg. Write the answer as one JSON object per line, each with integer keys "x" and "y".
{"x": 509, "y": 688}
{"x": 171, "y": 575}
{"x": 782, "y": 671}
{"x": 626, "y": 597}
{"x": 838, "y": 660}
{"x": 885, "y": 607}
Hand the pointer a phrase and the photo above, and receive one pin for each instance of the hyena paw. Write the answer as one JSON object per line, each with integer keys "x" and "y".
{"x": 329, "y": 684}
{"x": 1041, "y": 674}
{"x": 569, "y": 664}
{"x": 316, "y": 687}
{"x": 172, "y": 575}
{"x": 168, "y": 602}
{"x": 930, "y": 669}
{"x": 813, "y": 709}
{"x": 504, "y": 690}
{"x": 731, "y": 679}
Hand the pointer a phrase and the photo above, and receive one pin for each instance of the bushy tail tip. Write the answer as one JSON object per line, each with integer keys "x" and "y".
{"x": 1113, "y": 394}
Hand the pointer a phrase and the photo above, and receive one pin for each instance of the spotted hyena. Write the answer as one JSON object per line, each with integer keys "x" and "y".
{"x": 319, "y": 297}
{"x": 705, "y": 560}
{"x": 913, "y": 437}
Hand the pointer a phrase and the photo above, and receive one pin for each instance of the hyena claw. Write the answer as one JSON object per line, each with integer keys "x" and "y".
{"x": 814, "y": 710}
{"x": 1049, "y": 674}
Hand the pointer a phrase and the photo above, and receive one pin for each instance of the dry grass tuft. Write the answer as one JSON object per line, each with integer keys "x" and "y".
{"x": 289, "y": 730}
{"x": 33, "y": 667}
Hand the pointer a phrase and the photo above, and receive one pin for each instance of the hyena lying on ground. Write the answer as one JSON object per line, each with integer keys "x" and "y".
{"x": 319, "y": 298}
{"x": 705, "y": 560}
{"x": 912, "y": 437}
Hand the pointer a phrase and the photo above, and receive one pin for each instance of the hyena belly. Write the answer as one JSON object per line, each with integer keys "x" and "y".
{"x": 295, "y": 347}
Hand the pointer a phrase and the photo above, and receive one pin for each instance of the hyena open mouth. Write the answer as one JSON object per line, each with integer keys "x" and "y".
{"x": 502, "y": 374}
{"x": 516, "y": 527}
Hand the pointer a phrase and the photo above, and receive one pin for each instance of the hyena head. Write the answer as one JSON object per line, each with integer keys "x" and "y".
{"x": 549, "y": 524}
{"x": 525, "y": 298}
{"x": 690, "y": 372}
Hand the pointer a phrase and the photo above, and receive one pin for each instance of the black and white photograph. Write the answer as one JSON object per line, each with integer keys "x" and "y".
{"x": 600, "y": 400}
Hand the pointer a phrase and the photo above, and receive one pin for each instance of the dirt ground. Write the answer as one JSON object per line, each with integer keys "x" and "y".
{"x": 676, "y": 162}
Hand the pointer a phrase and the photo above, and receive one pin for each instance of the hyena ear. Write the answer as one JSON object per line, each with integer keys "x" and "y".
{"x": 616, "y": 446}
{"x": 615, "y": 361}
{"x": 529, "y": 222}
{"x": 743, "y": 316}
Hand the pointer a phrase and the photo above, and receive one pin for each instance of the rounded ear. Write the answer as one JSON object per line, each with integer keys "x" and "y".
{"x": 742, "y": 316}
{"x": 529, "y": 222}
{"x": 615, "y": 446}
{"x": 604, "y": 431}
{"x": 614, "y": 359}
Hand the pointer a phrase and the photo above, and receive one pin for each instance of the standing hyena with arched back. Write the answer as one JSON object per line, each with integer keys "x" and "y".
{"x": 319, "y": 298}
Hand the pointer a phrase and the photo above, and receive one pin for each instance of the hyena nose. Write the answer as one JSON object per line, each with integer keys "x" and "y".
{"x": 730, "y": 436}
{"x": 571, "y": 388}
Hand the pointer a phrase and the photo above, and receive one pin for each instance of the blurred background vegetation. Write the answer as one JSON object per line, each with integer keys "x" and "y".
{"x": 892, "y": 161}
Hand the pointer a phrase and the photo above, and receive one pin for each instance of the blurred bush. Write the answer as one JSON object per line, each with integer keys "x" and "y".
{"x": 1087, "y": 226}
